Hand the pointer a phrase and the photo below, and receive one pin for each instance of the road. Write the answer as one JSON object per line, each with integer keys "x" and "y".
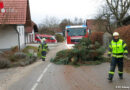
{"x": 47, "y": 76}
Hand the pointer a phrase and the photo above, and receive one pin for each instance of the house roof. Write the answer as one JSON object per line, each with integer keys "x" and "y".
{"x": 93, "y": 24}
{"x": 29, "y": 29}
{"x": 17, "y": 12}
{"x": 90, "y": 23}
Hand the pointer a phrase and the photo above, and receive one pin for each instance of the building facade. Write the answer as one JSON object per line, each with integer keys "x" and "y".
{"x": 13, "y": 24}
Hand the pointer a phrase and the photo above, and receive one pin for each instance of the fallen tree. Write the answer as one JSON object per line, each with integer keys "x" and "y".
{"x": 83, "y": 53}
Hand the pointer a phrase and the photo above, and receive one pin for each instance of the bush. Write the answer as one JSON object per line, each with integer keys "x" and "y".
{"x": 23, "y": 61}
{"x": 97, "y": 36}
{"x": 20, "y": 55}
{"x": 17, "y": 56}
{"x": 28, "y": 60}
{"x": 13, "y": 58}
{"x": 26, "y": 49}
{"x": 82, "y": 53}
{"x": 14, "y": 49}
{"x": 59, "y": 38}
{"x": 35, "y": 49}
{"x": 4, "y": 63}
{"x": 125, "y": 34}
{"x": 62, "y": 57}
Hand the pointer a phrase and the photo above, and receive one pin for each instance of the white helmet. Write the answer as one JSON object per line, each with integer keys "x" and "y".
{"x": 115, "y": 34}
{"x": 43, "y": 39}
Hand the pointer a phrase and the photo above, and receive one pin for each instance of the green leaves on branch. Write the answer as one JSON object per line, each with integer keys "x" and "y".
{"x": 82, "y": 53}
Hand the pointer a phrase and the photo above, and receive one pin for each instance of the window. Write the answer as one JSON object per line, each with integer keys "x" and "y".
{"x": 76, "y": 31}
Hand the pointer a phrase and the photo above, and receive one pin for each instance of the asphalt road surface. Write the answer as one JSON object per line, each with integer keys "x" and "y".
{"x": 47, "y": 76}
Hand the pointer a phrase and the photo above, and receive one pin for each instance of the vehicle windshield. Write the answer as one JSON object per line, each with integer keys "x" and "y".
{"x": 76, "y": 31}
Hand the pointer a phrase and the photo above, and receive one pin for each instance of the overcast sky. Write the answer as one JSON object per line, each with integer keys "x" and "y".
{"x": 85, "y": 9}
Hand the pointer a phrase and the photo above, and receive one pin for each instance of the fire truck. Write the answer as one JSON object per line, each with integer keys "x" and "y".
{"x": 75, "y": 33}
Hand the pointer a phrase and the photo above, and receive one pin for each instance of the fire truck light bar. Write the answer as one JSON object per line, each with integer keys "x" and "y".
{"x": 77, "y": 26}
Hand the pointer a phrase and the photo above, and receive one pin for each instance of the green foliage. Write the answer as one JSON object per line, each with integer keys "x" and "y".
{"x": 97, "y": 37}
{"x": 13, "y": 58}
{"x": 22, "y": 61}
{"x": 82, "y": 53}
{"x": 28, "y": 60}
{"x": 61, "y": 57}
{"x": 59, "y": 38}
{"x": 25, "y": 50}
{"x": 35, "y": 50}
{"x": 17, "y": 56}
{"x": 4, "y": 63}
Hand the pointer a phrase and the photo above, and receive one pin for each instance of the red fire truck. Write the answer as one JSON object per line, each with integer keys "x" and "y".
{"x": 75, "y": 33}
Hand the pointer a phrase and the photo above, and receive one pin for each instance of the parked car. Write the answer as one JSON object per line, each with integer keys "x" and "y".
{"x": 49, "y": 38}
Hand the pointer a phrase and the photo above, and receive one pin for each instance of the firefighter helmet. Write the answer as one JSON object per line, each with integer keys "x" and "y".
{"x": 115, "y": 34}
{"x": 43, "y": 40}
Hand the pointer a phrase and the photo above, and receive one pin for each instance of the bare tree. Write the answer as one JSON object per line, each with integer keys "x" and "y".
{"x": 64, "y": 23}
{"x": 77, "y": 21}
{"x": 119, "y": 8}
{"x": 48, "y": 25}
{"x": 105, "y": 20}
{"x": 50, "y": 22}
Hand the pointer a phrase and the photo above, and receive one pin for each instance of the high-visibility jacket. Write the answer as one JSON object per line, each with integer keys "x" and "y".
{"x": 43, "y": 46}
{"x": 118, "y": 49}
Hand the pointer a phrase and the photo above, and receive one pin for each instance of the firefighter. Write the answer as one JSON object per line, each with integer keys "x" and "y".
{"x": 44, "y": 47}
{"x": 118, "y": 50}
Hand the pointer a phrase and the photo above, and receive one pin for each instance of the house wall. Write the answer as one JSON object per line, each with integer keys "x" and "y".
{"x": 33, "y": 35}
{"x": 106, "y": 39}
{"x": 8, "y": 37}
{"x": 30, "y": 37}
{"x": 26, "y": 38}
{"x": 21, "y": 41}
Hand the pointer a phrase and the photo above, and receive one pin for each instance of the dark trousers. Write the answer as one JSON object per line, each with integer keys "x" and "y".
{"x": 43, "y": 55}
{"x": 119, "y": 63}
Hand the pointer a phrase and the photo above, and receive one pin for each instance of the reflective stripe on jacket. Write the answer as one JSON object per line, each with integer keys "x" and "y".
{"x": 43, "y": 46}
{"x": 117, "y": 49}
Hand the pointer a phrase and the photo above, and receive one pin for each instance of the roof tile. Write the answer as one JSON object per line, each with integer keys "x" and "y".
{"x": 15, "y": 12}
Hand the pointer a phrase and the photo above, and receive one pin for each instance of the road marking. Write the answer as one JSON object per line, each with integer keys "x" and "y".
{"x": 34, "y": 87}
{"x": 41, "y": 76}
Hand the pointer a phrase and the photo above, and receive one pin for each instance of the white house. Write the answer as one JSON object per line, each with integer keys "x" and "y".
{"x": 14, "y": 24}
{"x": 30, "y": 33}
